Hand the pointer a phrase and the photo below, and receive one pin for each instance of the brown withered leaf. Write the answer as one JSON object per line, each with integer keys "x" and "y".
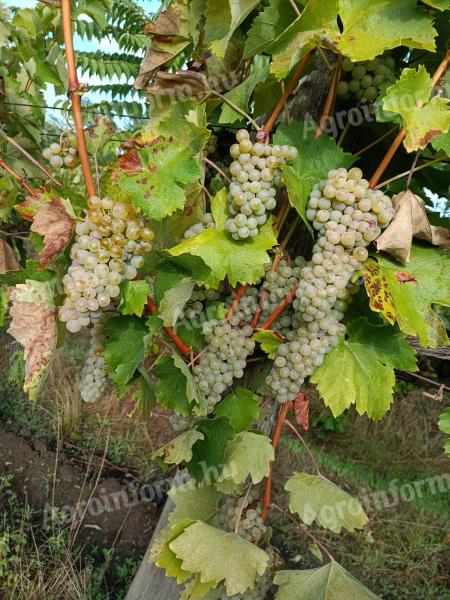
{"x": 301, "y": 410}
{"x": 53, "y": 222}
{"x": 169, "y": 34}
{"x": 34, "y": 326}
{"x": 410, "y": 220}
{"x": 179, "y": 85}
{"x": 8, "y": 258}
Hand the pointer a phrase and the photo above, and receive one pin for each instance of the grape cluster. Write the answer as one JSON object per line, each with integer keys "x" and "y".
{"x": 62, "y": 154}
{"x": 251, "y": 526}
{"x": 348, "y": 216}
{"x": 364, "y": 79}
{"x": 255, "y": 172}
{"x": 207, "y": 222}
{"x": 224, "y": 359}
{"x": 108, "y": 248}
{"x": 211, "y": 145}
{"x": 93, "y": 377}
{"x": 180, "y": 423}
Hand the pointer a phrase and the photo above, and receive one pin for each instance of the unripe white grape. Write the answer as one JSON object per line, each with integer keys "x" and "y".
{"x": 57, "y": 162}
{"x": 55, "y": 148}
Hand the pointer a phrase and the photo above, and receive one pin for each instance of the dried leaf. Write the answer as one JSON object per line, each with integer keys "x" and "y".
{"x": 179, "y": 85}
{"x": 34, "y": 325}
{"x": 410, "y": 220}
{"x": 301, "y": 410}
{"x": 8, "y": 258}
{"x": 53, "y": 222}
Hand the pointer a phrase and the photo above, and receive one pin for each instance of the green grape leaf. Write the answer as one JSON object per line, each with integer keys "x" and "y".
{"x": 422, "y": 123}
{"x": 442, "y": 142}
{"x": 444, "y": 425}
{"x": 209, "y": 452}
{"x": 197, "y": 589}
{"x": 403, "y": 24}
{"x": 315, "y": 158}
{"x": 366, "y": 362}
{"x": 407, "y": 294}
{"x": 221, "y": 21}
{"x": 240, "y": 95}
{"x": 267, "y": 26}
{"x": 98, "y": 134}
{"x": 3, "y": 305}
{"x": 315, "y": 497}
{"x": 174, "y": 300}
{"x": 178, "y": 450}
{"x": 126, "y": 342}
{"x": 330, "y": 582}
{"x": 439, "y": 4}
{"x": 176, "y": 389}
{"x": 8, "y": 196}
{"x": 186, "y": 265}
{"x": 134, "y": 295}
{"x": 220, "y": 556}
{"x": 269, "y": 342}
{"x": 164, "y": 557}
{"x": 32, "y": 271}
{"x": 196, "y": 503}
{"x": 247, "y": 455}
{"x": 241, "y": 408}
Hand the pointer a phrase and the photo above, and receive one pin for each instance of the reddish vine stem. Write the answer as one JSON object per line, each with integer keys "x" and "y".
{"x": 217, "y": 168}
{"x": 75, "y": 90}
{"x": 287, "y": 92}
{"x": 275, "y": 441}
{"x": 182, "y": 346}
{"x": 402, "y": 134}
{"x": 289, "y": 298}
{"x": 238, "y": 297}
{"x": 263, "y": 295}
{"x": 20, "y": 180}
{"x": 329, "y": 103}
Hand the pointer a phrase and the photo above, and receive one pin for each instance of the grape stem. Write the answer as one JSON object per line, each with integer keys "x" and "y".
{"x": 402, "y": 134}
{"x": 182, "y": 346}
{"x": 289, "y": 298}
{"x": 331, "y": 97}
{"x": 33, "y": 160}
{"x": 414, "y": 170}
{"x": 263, "y": 295}
{"x": 275, "y": 441}
{"x": 217, "y": 168}
{"x": 377, "y": 141}
{"x": 287, "y": 92}
{"x": 307, "y": 448}
{"x": 75, "y": 90}
{"x": 238, "y": 297}
{"x": 295, "y": 8}
{"x": 241, "y": 509}
{"x": 236, "y": 108}
{"x": 20, "y": 180}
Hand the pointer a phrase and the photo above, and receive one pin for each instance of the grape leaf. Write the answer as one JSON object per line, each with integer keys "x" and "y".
{"x": 439, "y": 4}
{"x": 125, "y": 346}
{"x": 179, "y": 449}
{"x": 32, "y": 271}
{"x": 8, "y": 258}
{"x": 240, "y": 95}
{"x": 196, "y": 503}
{"x": 176, "y": 389}
{"x": 442, "y": 142}
{"x": 222, "y": 19}
{"x": 366, "y": 362}
{"x": 54, "y": 223}
{"x": 247, "y": 455}
{"x": 330, "y": 582}
{"x": 373, "y": 26}
{"x": 241, "y": 409}
{"x": 407, "y": 295}
{"x": 444, "y": 425}
{"x": 269, "y": 342}
{"x": 3, "y": 305}
{"x": 315, "y": 497}
{"x": 316, "y": 157}
{"x": 209, "y": 452}
{"x": 164, "y": 557}
{"x": 174, "y": 300}
{"x": 267, "y": 26}
{"x": 98, "y": 134}
{"x": 134, "y": 295}
{"x": 220, "y": 556}
{"x": 423, "y": 119}
{"x": 34, "y": 326}
{"x": 186, "y": 265}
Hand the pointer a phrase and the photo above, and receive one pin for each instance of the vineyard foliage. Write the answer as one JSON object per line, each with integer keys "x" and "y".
{"x": 268, "y": 219}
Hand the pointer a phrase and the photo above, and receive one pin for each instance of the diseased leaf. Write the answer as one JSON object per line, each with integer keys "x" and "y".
{"x": 241, "y": 409}
{"x": 134, "y": 296}
{"x": 220, "y": 556}
{"x": 98, "y": 134}
{"x": 408, "y": 296}
{"x": 56, "y": 225}
{"x": 222, "y": 20}
{"x": 330, "y": 582}
{"x": 269, "y": 341}
{"x": 196, "y": 503}
{"x": 247, "y": 455}
{"x": 410, "y": 220}
{"x": 315, "y": 497}
{"x": 301, "y": 411}
{"x": 34, "y": 326}
{"x": 8, "y": 258}
{"x": 365, "y": 363}
{"x": 178, "y": 450}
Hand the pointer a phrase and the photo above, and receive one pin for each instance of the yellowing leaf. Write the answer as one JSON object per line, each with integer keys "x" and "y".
{"x": 8, "y": 258}
{"x": 220, "y": 556}
{"x": 179, "y": 449}
{"x": 34, "y": 326}
{"x": 53, "y": 222}
{"x": 247, "y": 455}
{"x": 164, "y": 557}
{"x": 196, "y": 503}
{"x": 330, "y": 582}
{"x": 315, "y": 497}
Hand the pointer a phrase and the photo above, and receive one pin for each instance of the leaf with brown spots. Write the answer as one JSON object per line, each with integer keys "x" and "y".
{"x": 8, "y": 258}
{"x": 56, "y": 225}
{"x": 377, "y": 288}
{"x": 34, "y": 325}
{"x": 301, "y": 410}
{"x": 98, "y": 134}
{"x": 410, "y": 220}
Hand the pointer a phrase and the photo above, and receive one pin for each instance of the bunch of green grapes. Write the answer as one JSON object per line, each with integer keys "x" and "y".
{"x": 94, "y": 375}
{"x": 108, "y": 248}
{"x": 63, "y": 154}
{"x": 255, "y": 171}
{"x": 207, "y": 222}
{"x": 364, "y": 79}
